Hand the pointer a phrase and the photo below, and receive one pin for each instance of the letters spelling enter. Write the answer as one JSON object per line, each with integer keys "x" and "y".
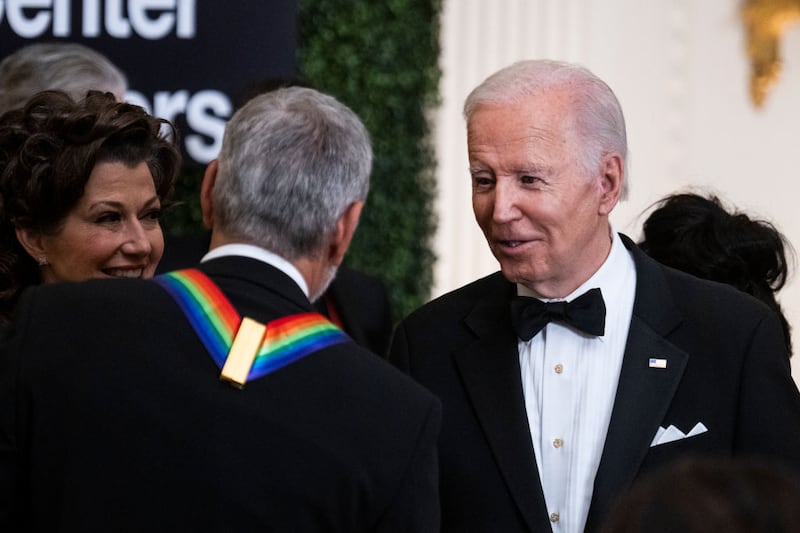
{"x": 32, "y": 18}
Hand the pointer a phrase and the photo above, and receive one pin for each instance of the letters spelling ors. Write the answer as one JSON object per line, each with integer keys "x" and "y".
{"x": 243, "y": 352}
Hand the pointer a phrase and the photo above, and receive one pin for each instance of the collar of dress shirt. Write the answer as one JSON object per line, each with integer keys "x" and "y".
{"x": 260, "y": 254}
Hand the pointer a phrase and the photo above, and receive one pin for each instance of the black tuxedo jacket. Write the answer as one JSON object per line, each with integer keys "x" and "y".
{"x": 113, "y": 418}
{"x": 727, "y": 367}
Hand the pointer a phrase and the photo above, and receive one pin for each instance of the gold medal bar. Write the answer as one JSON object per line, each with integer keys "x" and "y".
{"x": 243, "y": 352}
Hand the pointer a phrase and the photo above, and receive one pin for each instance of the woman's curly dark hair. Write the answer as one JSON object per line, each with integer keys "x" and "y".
{"x": 698, "y": 235}
{"x": 48, "y": 149}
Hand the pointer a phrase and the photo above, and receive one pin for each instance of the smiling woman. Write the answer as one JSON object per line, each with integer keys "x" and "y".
{"x": 81, "y": 190}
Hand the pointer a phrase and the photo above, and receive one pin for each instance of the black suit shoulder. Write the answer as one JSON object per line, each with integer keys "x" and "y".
{"x": 338, "y": 440}
{"x": 115, "y": 309}
{"x": 708, "y": 310}
{"x": 696, "y": 294}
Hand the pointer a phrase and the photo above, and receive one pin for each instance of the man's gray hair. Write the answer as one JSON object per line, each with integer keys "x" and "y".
{"x": 69, "y": 67}
{"x": 597, "y": 113}
{"x": 291, "y": 162}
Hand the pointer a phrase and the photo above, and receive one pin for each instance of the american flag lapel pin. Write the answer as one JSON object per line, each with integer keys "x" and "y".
{"x": 657, "y": 363}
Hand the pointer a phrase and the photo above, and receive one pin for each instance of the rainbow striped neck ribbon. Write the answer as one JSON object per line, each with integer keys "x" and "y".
{"x": 216, "y": 322}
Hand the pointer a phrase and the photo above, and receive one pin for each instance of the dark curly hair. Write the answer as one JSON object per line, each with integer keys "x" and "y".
{"x": 48, "y": 149}
{"x": 698, "y": 235}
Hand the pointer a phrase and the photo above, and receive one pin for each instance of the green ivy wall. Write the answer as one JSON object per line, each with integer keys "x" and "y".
{"x": 381, "y": 59}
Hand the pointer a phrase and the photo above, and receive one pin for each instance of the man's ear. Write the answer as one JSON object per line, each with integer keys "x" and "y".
{"x": 31, "y": 240}
{"x": 611, "y": 182}
{"x": 343, "y": 234}
{"x": 207, "y": 194}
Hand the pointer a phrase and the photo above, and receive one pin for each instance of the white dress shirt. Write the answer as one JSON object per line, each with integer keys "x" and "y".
{"x": 569, "y": 381}
{"x": 254, "y": 252}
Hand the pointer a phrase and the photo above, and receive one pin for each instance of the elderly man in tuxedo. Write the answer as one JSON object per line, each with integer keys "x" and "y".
{"x": 215, "y": 398}
{"x": 583, "y": 364}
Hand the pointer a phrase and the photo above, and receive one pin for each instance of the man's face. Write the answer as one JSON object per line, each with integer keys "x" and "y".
{"x": 544, "y": 217}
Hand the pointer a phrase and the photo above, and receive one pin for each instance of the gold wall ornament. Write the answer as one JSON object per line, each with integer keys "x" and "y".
{"x": 765, "y": 21}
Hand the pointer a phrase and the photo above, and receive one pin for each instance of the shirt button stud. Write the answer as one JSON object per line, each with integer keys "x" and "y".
{"x": 554, "y": 517}
{"x": 559, "y": 368}
{"x": 558, "y": 443}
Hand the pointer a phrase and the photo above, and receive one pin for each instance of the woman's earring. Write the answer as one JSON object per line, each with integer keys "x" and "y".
{"x": 42, "y": 260}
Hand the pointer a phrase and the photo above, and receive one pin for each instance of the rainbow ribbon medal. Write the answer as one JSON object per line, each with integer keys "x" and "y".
{"x": 220, "y": 328}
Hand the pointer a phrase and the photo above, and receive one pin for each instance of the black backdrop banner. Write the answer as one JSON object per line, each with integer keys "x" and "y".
{"x": 189, "y": 61}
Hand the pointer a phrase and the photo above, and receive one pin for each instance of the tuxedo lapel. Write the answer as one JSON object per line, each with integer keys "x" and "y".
{"x": 645, "y": 391}
{"x": 643, "y": 397}
{"x": 489, "y": 368}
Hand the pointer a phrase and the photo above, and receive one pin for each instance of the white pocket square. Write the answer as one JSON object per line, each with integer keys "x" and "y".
{"x": 671, "y": 433}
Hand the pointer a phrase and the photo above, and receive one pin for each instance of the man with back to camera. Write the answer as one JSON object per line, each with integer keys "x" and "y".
{"x": 357, "y": 302}
{"x": 552, "y": 409}
{"x": 124, "y": 407}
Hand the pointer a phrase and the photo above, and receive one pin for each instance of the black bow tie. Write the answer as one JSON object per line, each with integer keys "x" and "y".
{"x": 587, "y": 313}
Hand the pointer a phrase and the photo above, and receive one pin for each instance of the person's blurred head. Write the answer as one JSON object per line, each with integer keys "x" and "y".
{"x": 81, "y": 187}
{"x": 698, "y": 235}
{"x": 69, "y": 67}
{"x": 547, "y": 148}
{"x": 293, "y": 162}
{"x": 697, "y": 496}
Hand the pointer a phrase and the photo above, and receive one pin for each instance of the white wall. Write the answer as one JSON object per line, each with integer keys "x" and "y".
{"x": 679, "y": 69}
